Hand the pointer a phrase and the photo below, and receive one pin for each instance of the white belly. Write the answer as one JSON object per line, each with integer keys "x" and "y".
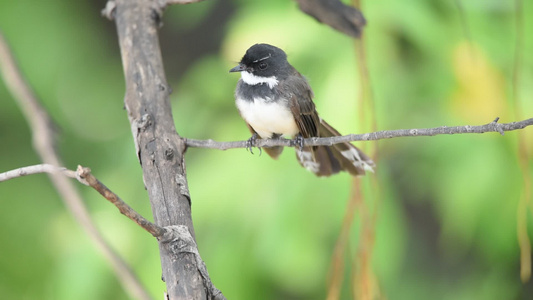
{"x": 267, "y": 118}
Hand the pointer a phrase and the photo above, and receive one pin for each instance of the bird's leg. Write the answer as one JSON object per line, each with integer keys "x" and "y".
{"x": 251, "y": 143}
{"x": 298, "y": 141}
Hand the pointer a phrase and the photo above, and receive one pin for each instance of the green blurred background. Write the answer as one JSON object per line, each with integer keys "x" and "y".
{"x": 446, "y": 219}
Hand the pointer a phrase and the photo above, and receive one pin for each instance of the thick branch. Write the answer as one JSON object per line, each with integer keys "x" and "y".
{"x": 43, "y": 142}
{"x": 379, "y": 135}
{"x": 159, "y": 148}
{"x": 181, "y": 241}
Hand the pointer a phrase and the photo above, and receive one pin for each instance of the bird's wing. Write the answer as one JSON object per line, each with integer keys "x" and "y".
{"x": 297, "y": 91}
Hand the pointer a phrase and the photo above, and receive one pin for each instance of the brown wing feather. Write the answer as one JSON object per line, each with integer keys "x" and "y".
{"x": 297, "y": 91}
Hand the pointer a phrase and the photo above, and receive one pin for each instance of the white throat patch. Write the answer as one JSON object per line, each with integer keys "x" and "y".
{"x": 251, "y": 79}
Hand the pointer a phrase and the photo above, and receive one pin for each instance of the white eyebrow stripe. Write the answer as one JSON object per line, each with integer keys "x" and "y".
{"x": 261, "y": 59}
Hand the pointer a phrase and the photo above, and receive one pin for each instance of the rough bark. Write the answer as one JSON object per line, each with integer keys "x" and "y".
{"x": 159, "y": 147}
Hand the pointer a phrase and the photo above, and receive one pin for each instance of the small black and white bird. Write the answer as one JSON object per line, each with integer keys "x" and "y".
{"x": 275, "y": 100}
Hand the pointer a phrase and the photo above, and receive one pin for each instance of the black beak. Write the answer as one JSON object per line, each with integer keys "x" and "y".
{"x": 238, "y": 68}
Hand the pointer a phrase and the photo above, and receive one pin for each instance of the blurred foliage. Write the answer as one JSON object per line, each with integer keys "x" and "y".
{"x": 446, "y": 222}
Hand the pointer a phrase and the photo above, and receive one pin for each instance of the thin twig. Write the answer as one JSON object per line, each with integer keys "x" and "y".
{"x": 494, "y": 126}
{"x": 36, "y": 169}
{"x": 125, "y": 209}
{"x": 84, "y": 176}
{"x": 43, "y": 142}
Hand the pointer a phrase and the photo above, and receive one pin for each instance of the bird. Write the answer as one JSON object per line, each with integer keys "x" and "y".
{"x": 276, "y": 101}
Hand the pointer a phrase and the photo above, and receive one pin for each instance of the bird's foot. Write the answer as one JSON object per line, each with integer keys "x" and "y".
{"x": 251, "y": 143}
{"x": 298, "y": 141}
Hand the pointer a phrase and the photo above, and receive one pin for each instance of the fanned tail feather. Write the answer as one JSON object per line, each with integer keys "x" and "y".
{"x": 329, "y": 160}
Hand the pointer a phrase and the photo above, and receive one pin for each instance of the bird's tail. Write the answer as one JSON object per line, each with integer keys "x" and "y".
{"x": 328, "y": 160}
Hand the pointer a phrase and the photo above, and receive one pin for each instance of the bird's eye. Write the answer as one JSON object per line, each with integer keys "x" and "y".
{"x": 263, "y": 66}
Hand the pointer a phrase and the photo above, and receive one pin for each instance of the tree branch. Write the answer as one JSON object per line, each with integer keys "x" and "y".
{"x": 181, "y": 241}
{"x": 159, "y": 148}
{"x": 493, "y": 126}
{"x": 36, "y": 169}
{"x": 84, "y": 176}
{"x": 125, "y": 209}
{"x": 43, "y": 142}
{"x": 177, "y": 237}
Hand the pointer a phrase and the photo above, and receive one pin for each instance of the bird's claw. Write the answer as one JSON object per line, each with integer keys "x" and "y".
{"x": 251, "y": 143}
{"x": 298, "y": 141}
